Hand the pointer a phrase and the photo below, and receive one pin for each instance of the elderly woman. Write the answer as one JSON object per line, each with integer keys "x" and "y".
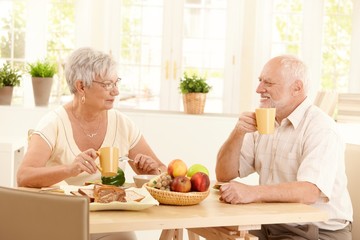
{"x": 64, "y": 144}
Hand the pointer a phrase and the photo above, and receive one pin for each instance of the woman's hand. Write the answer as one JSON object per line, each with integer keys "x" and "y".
{"x": 84, "y": 162}
{"x": 145, "y": 164}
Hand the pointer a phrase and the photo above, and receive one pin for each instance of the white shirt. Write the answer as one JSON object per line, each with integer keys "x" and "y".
{"x": 55, "y": 128}
{"x": 306, "y": 146}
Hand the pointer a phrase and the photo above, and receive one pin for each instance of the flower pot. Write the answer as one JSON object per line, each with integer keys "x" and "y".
{"x": 42, "y": 90}
{"x": 194, "y": 103}
{"x": 6, "y": 95}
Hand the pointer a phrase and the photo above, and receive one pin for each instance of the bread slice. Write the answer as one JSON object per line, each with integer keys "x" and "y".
{"x": 76, "y": 193}
{"x": 87, "y": 192}
{"x": 108, "y": 193}
{"x": 131, "y": 195}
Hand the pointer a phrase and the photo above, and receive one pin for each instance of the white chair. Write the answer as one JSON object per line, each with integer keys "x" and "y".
{"x": 348, "y": 108}
{"x": 326, "y": 101}
{"x": 352, "y": 161}
{"x": 42, "y": 216}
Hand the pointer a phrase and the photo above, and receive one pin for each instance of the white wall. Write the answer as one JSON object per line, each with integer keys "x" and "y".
{"x": 192, "y": 138}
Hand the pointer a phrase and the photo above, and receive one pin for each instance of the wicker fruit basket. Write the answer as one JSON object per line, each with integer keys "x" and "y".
{"x": 177, "y": 198}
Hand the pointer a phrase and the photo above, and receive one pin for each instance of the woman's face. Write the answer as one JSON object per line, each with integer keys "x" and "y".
{"x": 102, "y": 92}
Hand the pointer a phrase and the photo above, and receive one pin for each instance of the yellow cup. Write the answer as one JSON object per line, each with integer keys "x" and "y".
{"x": 265, "y": 120}
{"x": 109, "y": 161}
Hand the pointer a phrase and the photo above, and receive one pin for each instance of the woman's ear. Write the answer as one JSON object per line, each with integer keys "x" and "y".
{"x": 79, "y": 86}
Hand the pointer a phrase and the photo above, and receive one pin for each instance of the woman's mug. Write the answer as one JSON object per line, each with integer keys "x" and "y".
{"x": 109, "y": 161}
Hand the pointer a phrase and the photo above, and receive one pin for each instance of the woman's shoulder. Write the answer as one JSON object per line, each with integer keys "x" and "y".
{"x": 118, "y": 115}
{"x": 54, "y": 113}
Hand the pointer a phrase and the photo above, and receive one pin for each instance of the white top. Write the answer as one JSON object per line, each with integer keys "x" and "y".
{"x": 55, "y": 128}
{"x": 306, "y": 146}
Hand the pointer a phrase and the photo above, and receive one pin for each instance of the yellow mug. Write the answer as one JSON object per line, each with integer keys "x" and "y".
{"x": 109, "y": 161}
{"x": 265, "y": 120}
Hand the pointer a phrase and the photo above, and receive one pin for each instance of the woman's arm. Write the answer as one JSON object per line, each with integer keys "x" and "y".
{"x": 145, "y": 160}
{"x": 33, "y": 171}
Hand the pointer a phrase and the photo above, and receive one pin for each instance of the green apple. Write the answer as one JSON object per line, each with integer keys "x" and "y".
{"x": 197, "y": 168}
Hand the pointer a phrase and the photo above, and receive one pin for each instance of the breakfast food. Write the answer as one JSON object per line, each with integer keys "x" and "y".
{"x": 196, "y": 180}
{"x": 88, "y": 193}
{"x": 176, "y": 168}
{"x": 133, "y": 196}
{"x": 117, "y": 180}
{"x": 161, "y": 182}
{"x": 108, "y": 193}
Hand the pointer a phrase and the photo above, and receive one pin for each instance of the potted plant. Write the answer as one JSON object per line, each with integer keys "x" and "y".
{"x": 42, "y": 73}
{"x": 194, "y": 89}
{"x": 9, "y": 78}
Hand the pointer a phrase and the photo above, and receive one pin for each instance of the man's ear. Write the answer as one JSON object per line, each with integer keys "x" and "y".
{"x": 297, "y": 87}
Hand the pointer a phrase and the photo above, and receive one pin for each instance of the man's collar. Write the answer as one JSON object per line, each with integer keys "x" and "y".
{"x": 296, "y": 116}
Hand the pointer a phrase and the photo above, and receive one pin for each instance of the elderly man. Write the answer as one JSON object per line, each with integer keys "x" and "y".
{"x": 302, "y": 161}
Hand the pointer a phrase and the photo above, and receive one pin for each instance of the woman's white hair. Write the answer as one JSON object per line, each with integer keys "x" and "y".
{"x": 86, "y": 64}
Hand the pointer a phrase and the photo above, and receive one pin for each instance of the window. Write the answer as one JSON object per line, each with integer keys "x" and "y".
{"x": 159, "y": 42}
{"x": 287, "y": 27}
{"x": 336, "y": 45}
{"x": 12, "y": 38}
{"x": 60, "y": 42}
{"x": 154, "y": 41}
{"x": 140, "y": 53}
{"x": 335, "y": 37}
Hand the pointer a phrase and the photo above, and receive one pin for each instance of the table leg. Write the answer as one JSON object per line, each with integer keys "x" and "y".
{"x": 171, "y": 234}
{"x": 193, "y": 236}
{"x": 215, "y": 233}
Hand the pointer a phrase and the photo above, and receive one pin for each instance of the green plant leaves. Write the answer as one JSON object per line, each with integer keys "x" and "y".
{"x": 44, "y": 69}
{"x": 194, "y": 84}
{"x": 9, "y": 76}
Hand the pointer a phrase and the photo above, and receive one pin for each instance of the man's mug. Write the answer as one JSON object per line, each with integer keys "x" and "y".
{"x": 265, "y": 120}
{"x": 109, "y": 161}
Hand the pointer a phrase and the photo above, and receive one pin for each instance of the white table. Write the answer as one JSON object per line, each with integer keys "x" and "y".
{"x": 208, "y": 216}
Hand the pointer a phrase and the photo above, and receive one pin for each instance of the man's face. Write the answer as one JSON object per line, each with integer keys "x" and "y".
{"x": 273, "y": 88}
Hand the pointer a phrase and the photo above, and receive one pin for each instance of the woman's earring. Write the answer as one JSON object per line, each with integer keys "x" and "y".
{"x": 83, "y": 99}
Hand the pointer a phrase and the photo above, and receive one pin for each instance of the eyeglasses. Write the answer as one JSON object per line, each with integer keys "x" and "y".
{"x": 109, "y": 85}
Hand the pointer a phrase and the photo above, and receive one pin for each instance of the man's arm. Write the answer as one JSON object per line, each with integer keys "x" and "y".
{"x": 227, "y": 164}
{"x": 300, "y": 192}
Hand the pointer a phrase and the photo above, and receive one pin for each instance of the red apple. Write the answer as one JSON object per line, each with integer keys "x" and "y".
{"x": 200, "y": 182}
{"x": 177, "y": 167}
{"x": 180, "y": 184}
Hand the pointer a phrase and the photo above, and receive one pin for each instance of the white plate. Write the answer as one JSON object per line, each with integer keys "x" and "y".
{"x": 147, "y": 202}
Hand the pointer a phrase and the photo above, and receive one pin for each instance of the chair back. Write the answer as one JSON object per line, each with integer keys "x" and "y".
{"x": 42, "y": 216}
{"x": 352, "y": 163}
{"x": 348, "y": 108}
{"x": 326, "y": 101}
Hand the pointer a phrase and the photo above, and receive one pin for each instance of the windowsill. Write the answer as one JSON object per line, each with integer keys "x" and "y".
{"x": 130, "y": 110}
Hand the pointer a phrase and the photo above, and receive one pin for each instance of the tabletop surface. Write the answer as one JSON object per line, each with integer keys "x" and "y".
{"x": 209, "y": 213}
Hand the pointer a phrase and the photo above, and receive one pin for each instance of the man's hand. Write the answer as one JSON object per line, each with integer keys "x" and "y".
{"x": 235, "y": 193}
{"x": 246, "y": 123}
